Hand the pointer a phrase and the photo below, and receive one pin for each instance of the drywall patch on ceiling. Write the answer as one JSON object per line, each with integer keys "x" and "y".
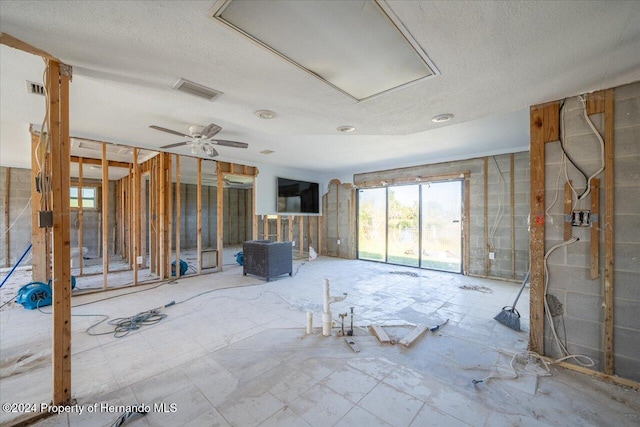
{"x": 359, "y": 47}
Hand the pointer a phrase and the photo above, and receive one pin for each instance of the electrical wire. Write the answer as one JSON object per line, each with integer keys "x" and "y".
{"x": 595, "y": 131}
{"x": 579, "y": 358}
{"x": 500, "y": 212}
{"x": 20, "y": 215}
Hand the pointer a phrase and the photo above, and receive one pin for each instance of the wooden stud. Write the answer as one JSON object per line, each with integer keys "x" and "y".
{"x": 487, "y": 247}
{"x": 568, "y": 205}
{"x": 80, "y": 215}
{"x": 606, "y": 377}
{"x": 39, "y": 263}
{"x": 199, "y": 212}
{"x": 594, "y": 250}
{"x": 512, "y": 224}
{"x": 311, "y": 236}
{"x": 301, "y": 235}
{"x": 596, "y": 102}
{"x": 105, "y": 217}
{"x": 320, "y": 232}
{"x": 466, "y": 224}
{"x": 136, "y": 205}
{"x": 219, "y": 215}
{"x": 536, "y": 240}
{"x": 162, "y": 215}
{"x": 608, "y": 225}
{"x": 278, "y": 228}
{"x": 290, "y": 228}
{"x": 254, "y": 217}
{"x": 170, "y": 215}
{"x": 7, "y": 250}
{"x": 178, "y": 215}
{"x": 98, "y": 162}
{"x": 265, "y": 227}
{"x": 57, "y": 86}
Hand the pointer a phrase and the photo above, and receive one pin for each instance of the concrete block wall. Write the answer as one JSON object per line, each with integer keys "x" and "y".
{"x": 339, "y": 220}
{"x": 499, "y": 198}
{"x": 20, "y": 233}
{"x": 569, "y": 266}
{"x": 237, "y": 216}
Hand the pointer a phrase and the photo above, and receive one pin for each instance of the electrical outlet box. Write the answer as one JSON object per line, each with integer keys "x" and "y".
{"x": 293, "y": 243}
{"x": 581, "y": 218}
{"x": 492, "y": 255}
{"x": 338, "y": 241}
{"x": 139, "y": 260}
{"x": 45, "y": 219}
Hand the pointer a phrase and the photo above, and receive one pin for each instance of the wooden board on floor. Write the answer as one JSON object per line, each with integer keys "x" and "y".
{"x": 380, "y": 334}
{"x": 412, "y": 336}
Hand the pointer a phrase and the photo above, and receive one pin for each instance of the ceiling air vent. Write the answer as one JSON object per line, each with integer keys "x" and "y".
{"x": 196, "y": 89}
{"x": 35, "y": 88}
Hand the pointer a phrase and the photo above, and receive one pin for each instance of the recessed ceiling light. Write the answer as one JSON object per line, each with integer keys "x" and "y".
{"x": 346, "y": 129}
{"x": 96, "y": 167}
{"x": 265, "y": 114}
{"x": 440, "y": 118}
{"x": 267, "y": 152}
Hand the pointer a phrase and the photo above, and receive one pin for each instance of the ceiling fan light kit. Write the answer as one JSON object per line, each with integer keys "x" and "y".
{"x": 201, "y": 139}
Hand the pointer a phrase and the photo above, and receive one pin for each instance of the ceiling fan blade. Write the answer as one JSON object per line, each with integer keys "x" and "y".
{"x": 177, "y": 144}
{"x": 210, "y": 131}
{"x": 170, "y": 131}
{"x": 225, "y": 143}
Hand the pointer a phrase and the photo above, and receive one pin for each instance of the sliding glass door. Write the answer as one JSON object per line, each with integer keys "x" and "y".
{"x": 441, "y": 226}
{"x": 414, "y": 225}
{"x": 372, "y": 233}
{"x": 403, "y": 225}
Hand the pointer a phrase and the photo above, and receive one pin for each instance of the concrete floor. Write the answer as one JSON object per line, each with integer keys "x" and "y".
{"x": 239, "y": 356}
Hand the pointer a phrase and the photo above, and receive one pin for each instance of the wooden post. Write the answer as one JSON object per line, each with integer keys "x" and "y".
{"x": 219, "y": 214}
{"x": 487, "y": 246}
{"x": 265, "y": 227}
{"x": 512, "y": 224}
{"x": 169, "y": 215}
{"x": 162, "y": 214}
{"x": 80, "y": 214}
{"x": 178, "y": 215}
{"x": 543, "y": 129}
{"x": 290, "y": 229}
{"x": 7, "y": 181}
{"x": 105, "y": 217}
{"x": 254, "y": 217}
{"x": 278, "y": 228}
{"x": 301, "y": 235}
{"x": 608, "y": 232}
{"x": 594, "y": 249}
{"x": 57, "y": 86}
{"x": 320, "y": 232}
{"x": 135, "y": 199}
{"x": 199, "y": 213}
{"x": 39, "y": 260}
{"x": 568, "y": 204}
{"x": 467, "y": 225}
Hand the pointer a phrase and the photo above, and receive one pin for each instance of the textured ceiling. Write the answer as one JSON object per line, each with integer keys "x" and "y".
{"x": 495, "y": 59}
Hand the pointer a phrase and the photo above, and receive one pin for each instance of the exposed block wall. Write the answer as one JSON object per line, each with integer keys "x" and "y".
{"x": 19, "y": 215}
{"x": 569, "y": 266}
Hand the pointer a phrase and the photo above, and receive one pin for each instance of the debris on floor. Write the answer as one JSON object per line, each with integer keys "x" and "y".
{"x": 352, "y": 344}
{"x": 483, "y": 289}
{"x": 412, "y": 336}
{"x": 406, "y": 273}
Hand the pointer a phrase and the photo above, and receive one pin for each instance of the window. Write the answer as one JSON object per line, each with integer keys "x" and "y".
{"x": 89, "y": 195}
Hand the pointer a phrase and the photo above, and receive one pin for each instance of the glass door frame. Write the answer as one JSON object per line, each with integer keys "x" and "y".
{"x": 461, "y": 179}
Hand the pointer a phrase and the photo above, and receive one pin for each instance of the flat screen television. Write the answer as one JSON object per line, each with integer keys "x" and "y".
{"x": 296, "y": 196}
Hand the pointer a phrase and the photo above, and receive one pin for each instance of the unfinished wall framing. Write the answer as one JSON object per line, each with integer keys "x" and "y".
{"x": 599, "y": 323}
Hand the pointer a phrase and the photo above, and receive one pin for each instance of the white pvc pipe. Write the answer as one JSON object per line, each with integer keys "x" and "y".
{"x": 309, "y": 322}
{"x": 326, "y": 314}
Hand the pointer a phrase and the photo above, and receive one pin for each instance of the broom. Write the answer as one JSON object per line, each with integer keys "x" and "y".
{"x": 509, "y": 316}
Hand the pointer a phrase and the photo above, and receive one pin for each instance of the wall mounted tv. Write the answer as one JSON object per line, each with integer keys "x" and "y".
{"x": 296, "y": 196}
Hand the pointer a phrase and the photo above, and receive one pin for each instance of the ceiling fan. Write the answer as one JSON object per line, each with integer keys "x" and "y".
{"x": 201, "y": 139}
